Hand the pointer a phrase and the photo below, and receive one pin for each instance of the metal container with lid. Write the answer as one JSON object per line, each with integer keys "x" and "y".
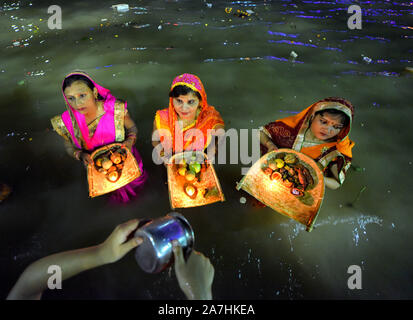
{"x": 155, "y": 253}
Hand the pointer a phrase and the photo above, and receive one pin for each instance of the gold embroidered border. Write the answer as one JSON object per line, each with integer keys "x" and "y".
{"x": 262, "y": 129}
{"x": 119, "y": 117}
{"x": 59, "y": 126}
{"x": 324, "y": 161}
{"x": 299, "y": 140}
{"x": 185, "y": 84}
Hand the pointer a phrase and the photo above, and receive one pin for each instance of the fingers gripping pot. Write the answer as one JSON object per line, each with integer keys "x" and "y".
{"x": 155, "y": 253}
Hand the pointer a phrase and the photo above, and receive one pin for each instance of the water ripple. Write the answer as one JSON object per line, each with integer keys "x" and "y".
{"x": 360, "y": 223}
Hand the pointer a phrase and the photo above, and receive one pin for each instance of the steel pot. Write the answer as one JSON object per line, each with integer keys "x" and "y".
{"x": 155, "y": 253}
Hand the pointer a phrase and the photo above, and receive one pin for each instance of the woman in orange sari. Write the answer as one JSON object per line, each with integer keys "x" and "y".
{"x": 188, "y": 123}
{"x": 320, "y": 131}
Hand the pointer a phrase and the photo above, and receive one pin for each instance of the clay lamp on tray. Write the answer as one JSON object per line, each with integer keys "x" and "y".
{"x": 190, "y": 190}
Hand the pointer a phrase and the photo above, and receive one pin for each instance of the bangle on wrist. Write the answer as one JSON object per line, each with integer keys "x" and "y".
{"x": 131, "y": 137}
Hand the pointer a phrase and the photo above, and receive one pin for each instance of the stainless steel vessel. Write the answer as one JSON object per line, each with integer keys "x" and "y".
{"x": 155, "y": 253}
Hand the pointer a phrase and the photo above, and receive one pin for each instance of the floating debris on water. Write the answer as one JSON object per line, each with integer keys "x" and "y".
{"x": 233, "y": 59}
{"x": 13, "y": 6}
{"x": 366, "y": 59}
{"x": 36, "y": 73}
{"x": 121, "y": 7}
{"x": 141, "y": 26}
{"x": 293, "y": 55}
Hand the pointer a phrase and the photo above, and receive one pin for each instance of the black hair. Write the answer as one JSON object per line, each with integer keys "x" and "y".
{"x": 78, "y": 77}
{"x": 344, "y": 119}
{"x": 183, "y": 90}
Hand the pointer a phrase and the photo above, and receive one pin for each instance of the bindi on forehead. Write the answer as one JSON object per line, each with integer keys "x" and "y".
{"x": 332, "y": 119}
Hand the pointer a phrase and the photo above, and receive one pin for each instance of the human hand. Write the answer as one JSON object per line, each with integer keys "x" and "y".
{"x": 86, "y": 158}
{"x": 128, "y": 144}
{"x": 271, "y": 147}
{"x": 116, "y": 245}
{"x": 194, "y": 276}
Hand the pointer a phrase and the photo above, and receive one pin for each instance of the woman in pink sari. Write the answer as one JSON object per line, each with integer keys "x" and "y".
{"x": 95, "y": 118}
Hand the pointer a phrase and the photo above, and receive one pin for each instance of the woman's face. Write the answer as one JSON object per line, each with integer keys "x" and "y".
{"x": 81, "y": 97}
{"x": 186, "y": 106}
{"x": 326, "y": 126}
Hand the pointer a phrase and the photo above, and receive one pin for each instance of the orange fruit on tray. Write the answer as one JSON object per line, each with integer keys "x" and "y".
{"x": 106, "y": 163}
{"x": 276, "y": 176}
{"x": 116, "y": 158}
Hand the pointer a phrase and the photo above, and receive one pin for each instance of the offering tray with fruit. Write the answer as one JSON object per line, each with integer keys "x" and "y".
{"x": 192, "y": 181}
{"x": 289, "y": 182}
{"x": 114, "y": 166}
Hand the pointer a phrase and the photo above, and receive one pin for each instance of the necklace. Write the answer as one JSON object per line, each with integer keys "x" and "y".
{"x": 97, "y": 117}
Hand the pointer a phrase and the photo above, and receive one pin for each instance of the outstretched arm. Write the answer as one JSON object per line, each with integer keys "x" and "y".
{"x": 34, "y": 279}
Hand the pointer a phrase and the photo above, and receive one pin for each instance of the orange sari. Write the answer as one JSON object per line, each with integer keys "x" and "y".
{"x": 172, "y": 135}
{"x": 290, "y": 132}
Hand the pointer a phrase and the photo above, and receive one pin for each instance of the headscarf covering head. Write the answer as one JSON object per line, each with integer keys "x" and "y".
{"x": 305, "y": 117}
{"x": 194, "y": 83}
{"x": 208, "y": 118}
{"x": 79, "y": 124}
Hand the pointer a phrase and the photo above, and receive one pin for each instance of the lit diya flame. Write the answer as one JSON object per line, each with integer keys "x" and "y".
{"x": 113, "y": 176}
{"x": 190, "y": 190}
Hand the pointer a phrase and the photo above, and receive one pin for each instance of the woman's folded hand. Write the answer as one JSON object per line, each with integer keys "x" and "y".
{"x": 86, "y": 158}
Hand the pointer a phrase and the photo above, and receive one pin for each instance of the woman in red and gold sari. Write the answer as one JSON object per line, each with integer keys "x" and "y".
{"x": 189, "y": 122}
{"x": 321, "y": 132}
{"x": 95, "y": 118}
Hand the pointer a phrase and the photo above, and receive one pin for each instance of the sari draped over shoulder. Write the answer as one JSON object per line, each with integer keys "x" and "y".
{"x": 290, "y": 133}
{"x": 172, "y": 135}
{"x": 110, "y": 128}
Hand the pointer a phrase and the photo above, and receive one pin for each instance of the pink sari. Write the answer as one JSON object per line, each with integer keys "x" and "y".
{"x": 107, "y": 132}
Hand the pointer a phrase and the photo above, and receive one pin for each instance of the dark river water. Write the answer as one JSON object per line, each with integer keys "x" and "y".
{"x": 250, "y": 77}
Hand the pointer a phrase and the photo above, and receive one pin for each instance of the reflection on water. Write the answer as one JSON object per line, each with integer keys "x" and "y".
{"x": 252, "y": 77}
